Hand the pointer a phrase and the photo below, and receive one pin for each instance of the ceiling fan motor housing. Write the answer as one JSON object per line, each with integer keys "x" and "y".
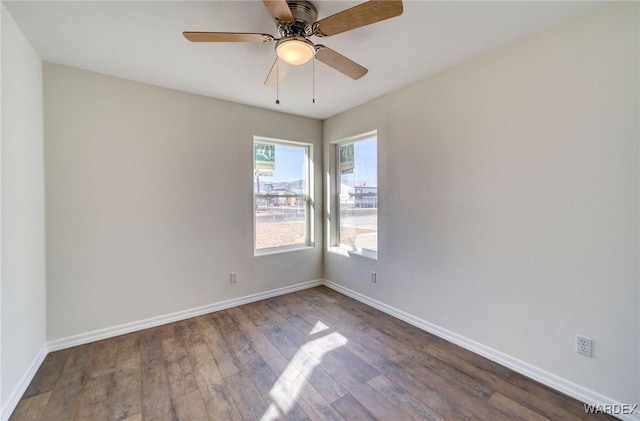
{"x": 304, "y": 16}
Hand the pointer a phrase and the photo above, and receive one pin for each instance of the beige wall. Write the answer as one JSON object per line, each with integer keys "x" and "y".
{"x": 149, "y": 201}
{"x": 509, "y": 201}
{"x": 23, "y": 246}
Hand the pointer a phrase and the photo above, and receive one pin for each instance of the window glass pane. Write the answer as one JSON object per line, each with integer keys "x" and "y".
{"x": 281, "y": 195}
{"x": 358, "y": 197}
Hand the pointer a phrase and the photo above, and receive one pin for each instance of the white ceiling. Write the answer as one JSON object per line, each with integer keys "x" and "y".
{"x": 143, "y": 41}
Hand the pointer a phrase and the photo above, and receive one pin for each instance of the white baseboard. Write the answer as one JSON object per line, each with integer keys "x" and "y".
{"x": 21, "y": 387}
{"x": 558, "y": 383}
{"x": 110, "y": 332}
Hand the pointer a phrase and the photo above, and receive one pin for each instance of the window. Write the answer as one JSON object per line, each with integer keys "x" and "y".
{"x": 281, "y": 186}
{"x": 357, "y": 193}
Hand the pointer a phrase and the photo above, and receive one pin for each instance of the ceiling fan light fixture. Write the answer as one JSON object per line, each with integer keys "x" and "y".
{"x": 295, "y": 50}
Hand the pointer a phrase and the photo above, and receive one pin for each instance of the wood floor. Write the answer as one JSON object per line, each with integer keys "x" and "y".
{"x": 314, "y": 354}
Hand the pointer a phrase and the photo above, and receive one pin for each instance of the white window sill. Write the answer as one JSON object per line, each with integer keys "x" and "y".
{"x": 347, "y": 251}
{"x": 279, "y": 250}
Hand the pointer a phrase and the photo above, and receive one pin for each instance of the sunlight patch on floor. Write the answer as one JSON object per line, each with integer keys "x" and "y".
{"x": 290, "y": 383}
{"x": 319, "y": 327}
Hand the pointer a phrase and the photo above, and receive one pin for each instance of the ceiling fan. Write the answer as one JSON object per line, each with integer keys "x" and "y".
{"x": 296, "y": 22}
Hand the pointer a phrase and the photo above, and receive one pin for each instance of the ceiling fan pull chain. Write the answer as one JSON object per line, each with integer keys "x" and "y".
{"x": 277, "y": 81}
{"x": 313, "y": 82}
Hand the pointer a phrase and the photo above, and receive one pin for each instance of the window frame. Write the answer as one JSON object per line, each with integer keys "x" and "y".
{"x": 335, "y": 245}
{"x": 306, "y": 198}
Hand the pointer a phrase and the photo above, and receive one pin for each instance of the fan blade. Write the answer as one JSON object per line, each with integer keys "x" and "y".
{"x": 364, "y": 14}
{"x": 277, "y": 72}
{"x": 226, "y": 37}
{"x": 340, "y": 62}
{"x": 279, "y": 9}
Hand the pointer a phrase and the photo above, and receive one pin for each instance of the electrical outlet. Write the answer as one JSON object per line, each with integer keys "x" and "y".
{"x": 233, "y": 277}
{"x": 373, "y": 277}
{"x": 583, "y": 345}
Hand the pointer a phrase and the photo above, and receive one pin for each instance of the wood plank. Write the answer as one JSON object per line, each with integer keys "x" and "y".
{"x": 292, "y": 388}
{"x": 264, "y": 379}
{"x": 204, "y": 366}
{"x": 314, "y": 372}
{"x": 64, "y": 399}
{"x": 353, "y": 331}
{"x": 94, "y": 401}
{"x": 237, "y": 342}
{"x": 30, "y": 408}
{"x": 261, "y": 344}
{"x": 103, "y": 357}
{"x": 324, "y": 294}
{"x": 470, "y": 385}
{"x": 281, "y": 341}
{"x": 259, "y": 313}
{"x": 444, "y": 405}
{"x": 375, "y": 402}
{"x": 150, "y": 345}
{"x": 247, "y": 397}
{"x": 216, "y": 397}
{"x": 389, "y": 339}
{"x": 309, "y": 356}
{"x": 505, "y": 387}
{"x": 190, "y": 406}
{"x": 126, "y": 392}
{"x": 219, "y": 402}
{"x": 461, "y": 393}
{"x": 324, "y": 358}
{"x": 539, "y": 395}
{"x": 179, "y": 370}
{"x": 129, "y": 351}
{"x": 404, "y": 400}
{"x": 358, "y": 368}
{"x": 514, "y": 409}
{"x": 312, "y": 316}
{"x": 48, "y": 374}
{"x": 350, "y": 409}
{"x": 221, "y": 353}
{"x": 320, "y": 351}
{"x": 369, "y": 349}
{"x": 156, "y": 397}
{"x": 253, "y": 313}
{"x": 296, "y": 336}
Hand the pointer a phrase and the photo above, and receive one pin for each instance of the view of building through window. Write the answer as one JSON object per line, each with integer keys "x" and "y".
{"x": 281, "y": 192}
{"x": 358, "y": 193}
